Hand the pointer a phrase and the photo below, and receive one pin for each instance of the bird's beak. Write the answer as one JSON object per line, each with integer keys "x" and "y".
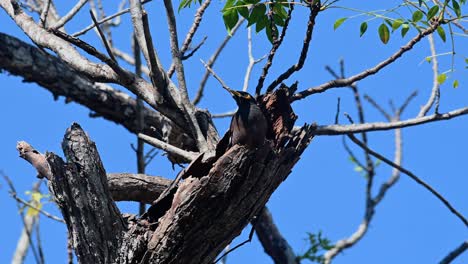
{"x": 232, "y": 92}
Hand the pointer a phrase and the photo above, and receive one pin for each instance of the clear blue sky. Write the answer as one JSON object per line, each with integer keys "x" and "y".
{"x": 323, "y": 192}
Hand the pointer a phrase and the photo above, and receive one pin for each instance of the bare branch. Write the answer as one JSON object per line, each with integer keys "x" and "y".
{"x": 63, "y": 20}
{"x": 176, "y": 54}
{"x": 35, "y": 158}
{"x": 129, "y": 59}
{"x": 212, "y": 61}
{"x": 314, "y": 10}
{"x": 193, "y": 29}
{"x": 272, "y": 241}
{"x": 186, "y": 155}
{"x": 455, "y": 253}
{"x": 226, "y": 114}
{"x": 88, "y": 28}
{"x": 345, "y": 82}
{"x": 271, "y": 55}
{"x": 371, "y": 204}
{"x": 435, "y": 83}
{"x": 28, "y": 222}
{"x": 252, "y": 60}
{"x": 412, "y": 176}
{"x": 32, "y": 206}
{"x": 45, "y": 12}
{"x": 379, "y": 126}
{"x": 378, "y": 107}
{"x": 103, "y": 38}
{"x": 176, "y": 58}
{"x": 208, "y": 68}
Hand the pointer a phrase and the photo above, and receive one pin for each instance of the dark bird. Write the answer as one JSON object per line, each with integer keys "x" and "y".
{"x": 248, "y": 125}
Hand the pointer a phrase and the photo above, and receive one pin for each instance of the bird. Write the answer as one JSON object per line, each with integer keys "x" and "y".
{"x": 248, "y": 125}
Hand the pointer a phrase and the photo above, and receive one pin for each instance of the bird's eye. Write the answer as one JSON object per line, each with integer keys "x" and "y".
{"x": 247, "y": 96}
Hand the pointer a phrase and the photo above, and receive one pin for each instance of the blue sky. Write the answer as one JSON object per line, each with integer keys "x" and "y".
{"x": 323, "y": 193}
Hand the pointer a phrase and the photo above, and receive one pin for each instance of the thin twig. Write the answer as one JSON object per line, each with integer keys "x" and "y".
{"x": 435, "y": 83}
{"x": 412, "y": 176}
{"x": 88, "y": 28}
{"x": 272, "y": 53}
{"x": 193, "y": 29}
{"x": 226, "y": 114}
{"x": 39, "y": 242}
{"x": 32, "y": 206}
{"x": 63, "y": 20}
{"x": 141, "y": 164}
{"x": 45, "y": 12}
{"x": 125, "y": 76}
{"x": 455, "y": 253}
{"x": 314, "y": 10}
{"x": 371, "y": 71}
{"x": 378, "y": 107}
{"x": 252, "y": 60}
{"x": 193, "y": 50}
{"x": 177, "y": 61}
{"x": 406, "y": 102}
{"x": 103, "y": 37}
{"x": 129, "y": 59}
{"x": 176, "y": 54}
{"x": 187, "y": 155}
{"x": 27, "y": 228}
{"x": 337, "y": 111}
{"x": 372, "y": 203}
{"x": 253, "y": 222}
{"x": 212, "y": 61}
{"x": 208, "y": 68}
{"x": 379, "y": 126}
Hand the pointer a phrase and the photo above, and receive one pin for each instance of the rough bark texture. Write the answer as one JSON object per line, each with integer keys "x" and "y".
{"x": 272, "y": 241}
{"x": 205, "y": 215}
{"x": 136, "y": 187}
{"x": 80, "y": 189}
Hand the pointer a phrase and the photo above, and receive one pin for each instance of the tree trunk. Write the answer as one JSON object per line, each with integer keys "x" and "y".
{"x": 205, "y": 214}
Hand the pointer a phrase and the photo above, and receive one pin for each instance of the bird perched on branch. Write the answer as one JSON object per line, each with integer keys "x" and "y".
{"x": 248, "y": 125}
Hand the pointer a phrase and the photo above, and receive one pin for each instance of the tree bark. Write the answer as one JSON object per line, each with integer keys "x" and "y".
{"x": 206, "y": 212}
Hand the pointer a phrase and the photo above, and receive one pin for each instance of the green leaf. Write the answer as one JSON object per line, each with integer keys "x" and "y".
{"x": 338, "y": 22}
{"x": 183, "y": 4}
{"x": 377, "y": 162}
{"x": 428, "y": 59}
{"x": 363, "y": 29}
{"x": 404, "y": 29}
{"x": 358, "y": 169}
{"x": 384, "y": 33}
{"x": 417, "y": 15}
{"x": 228, "y": 6}
{"x": 456, "y": 8}
{"x": 230, "y": 18}
{"x": 441, "y": 32}
{"x": 280, "y": 11}
{"x": 455, "y": 84}
{"x": 261, "y": 23}
{"x": 441, "y": 78}
{"x": 278, "y": 20}
{"x": 432, "y": 12}
{"x": 270, "y": 32}
{"x": 243, "y": 10}
{"x": 257, "y": 12}
{"x": 397, "y": 23}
